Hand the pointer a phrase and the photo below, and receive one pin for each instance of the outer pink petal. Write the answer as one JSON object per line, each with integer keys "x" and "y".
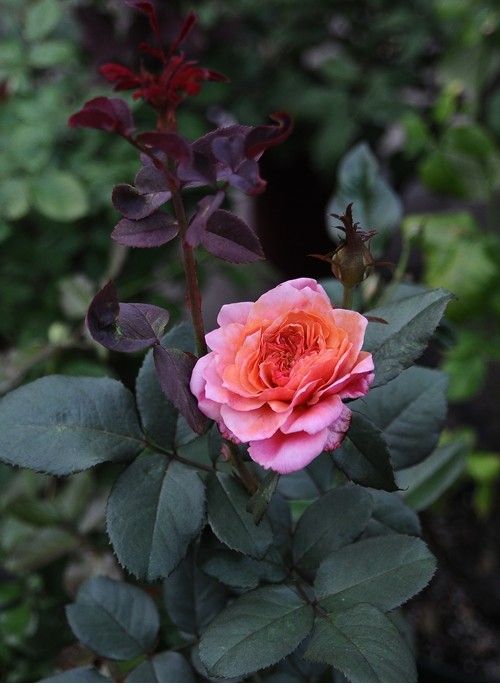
{"x": 312, "y": 419}
{"x": 288, "y": 453}
{"x": 294, "y": 295}
{"x": 234, "y": 313}
{"x": 198, "y": 384}
{"x": 225, "y": 340}
{"x": 258, "y": 424}
{"x": 337, "y": 431}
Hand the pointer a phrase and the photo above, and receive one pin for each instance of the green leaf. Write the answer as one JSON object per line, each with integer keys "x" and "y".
{"x": 466, "y": 365}
{"x": 391, "y": 514}
{"x": 51, "y": 53}
{"x": 156, "y": 507}
{"x": 376, "y": 205}
{"x": 465, "y": 165}
{"x": 85, "y": 674}
{"x": 158, "y": 415}
{"x": 75, "y": 295}
{"x": 364, "y": 645}
{"x": 440, "y": 173}
{"x": 312, "y": 482}
{"x": 114, "y": 619}
{"x": 410, "y": 410}
{"x": 331, "y": 522}
{"x": 59, "y": 195}
{"x": 426, "y": 482}
{"x": 364, "y": 456}
{"x": 14, "y": 198}
{"x": 457, "y": 256}
{"x": 192, "y": 598}
{"x": 231, "y": 522}
{"x": 411, "y": 323}
{"x": 383, "y": 571}
{"x": 256, "y": 631}
{"x": 239, "y": 571}
{"x": 41, "y": 18}
{"x": 167, "y": 667}
{"x": 62, "y": 424}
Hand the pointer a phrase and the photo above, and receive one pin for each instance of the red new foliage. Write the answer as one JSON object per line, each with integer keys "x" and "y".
{"x": 177, "y": 78}
{"x": 105, "y": 114}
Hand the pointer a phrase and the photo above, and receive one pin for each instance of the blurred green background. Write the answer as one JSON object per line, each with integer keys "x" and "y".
{"x": 397, "y": 107}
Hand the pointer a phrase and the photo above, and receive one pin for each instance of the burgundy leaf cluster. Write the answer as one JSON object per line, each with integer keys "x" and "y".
{"x": 176, "y": 79}
{"x": 227, "y": 156}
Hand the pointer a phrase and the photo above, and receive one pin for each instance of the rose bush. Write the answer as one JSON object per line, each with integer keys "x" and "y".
{"x": 279, "y": 371}
{"x": 260, "y": 572}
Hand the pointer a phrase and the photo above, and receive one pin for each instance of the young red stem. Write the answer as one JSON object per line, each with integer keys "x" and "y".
{"x": 192, "y": 286}
{"x": 194, "y": 300}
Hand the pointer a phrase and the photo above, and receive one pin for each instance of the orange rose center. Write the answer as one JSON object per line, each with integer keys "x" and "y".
{"x": 296, "y": 338}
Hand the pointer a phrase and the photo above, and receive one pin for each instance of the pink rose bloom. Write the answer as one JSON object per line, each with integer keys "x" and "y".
{"x": 279, "y": 371}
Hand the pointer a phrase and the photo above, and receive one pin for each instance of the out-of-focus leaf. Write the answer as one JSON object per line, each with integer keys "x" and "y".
{"x": 422, "y": 484}
{"x": 114, "y": 619}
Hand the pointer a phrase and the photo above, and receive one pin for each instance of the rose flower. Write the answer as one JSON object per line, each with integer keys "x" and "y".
{"x": 278, "y": 373}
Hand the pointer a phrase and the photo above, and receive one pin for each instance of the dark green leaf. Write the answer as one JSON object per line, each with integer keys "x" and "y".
{"x": 239, "y": 571}
{"x": 155, "y": 509}
{"x": 62, "y": 425}
{"x": 167, "y": 667}
{"x": 192, "y": 598}
{"x": 425, "y": 482}
{"x": 411, "y": 323}
{"x": 364, "y": 645}
{"x": 259, "y": 502}
{"x": 256, "y": 631}
{"x": 364, "y": 456}
{"x": 311, "y": 482}
{"x": 85, "y": 674}
{"x": 114, "y": 619}
{"x": 391, "y": 514}
{"x": 410, "y": 410}
{"x": 229, "y": 519}
{"x": 383, "y": 571}
{"x": 331, "y": 522}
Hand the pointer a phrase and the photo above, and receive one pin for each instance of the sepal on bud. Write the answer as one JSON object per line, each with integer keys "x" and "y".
{"x": 351, "y": 261}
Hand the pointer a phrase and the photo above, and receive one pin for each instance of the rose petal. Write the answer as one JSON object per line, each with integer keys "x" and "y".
{"x": 258, "y": 424}
{"x": 312, "y": 419}
{"x": 337, "y": 431}
{"x": 288, "y": 453}
{"x": 234, "y": 313}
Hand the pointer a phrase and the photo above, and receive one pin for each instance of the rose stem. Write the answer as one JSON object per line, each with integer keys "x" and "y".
{"x": 192, "y": 286}
{"x": 194, "y": 301}
{"x": 347, "y": 298}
